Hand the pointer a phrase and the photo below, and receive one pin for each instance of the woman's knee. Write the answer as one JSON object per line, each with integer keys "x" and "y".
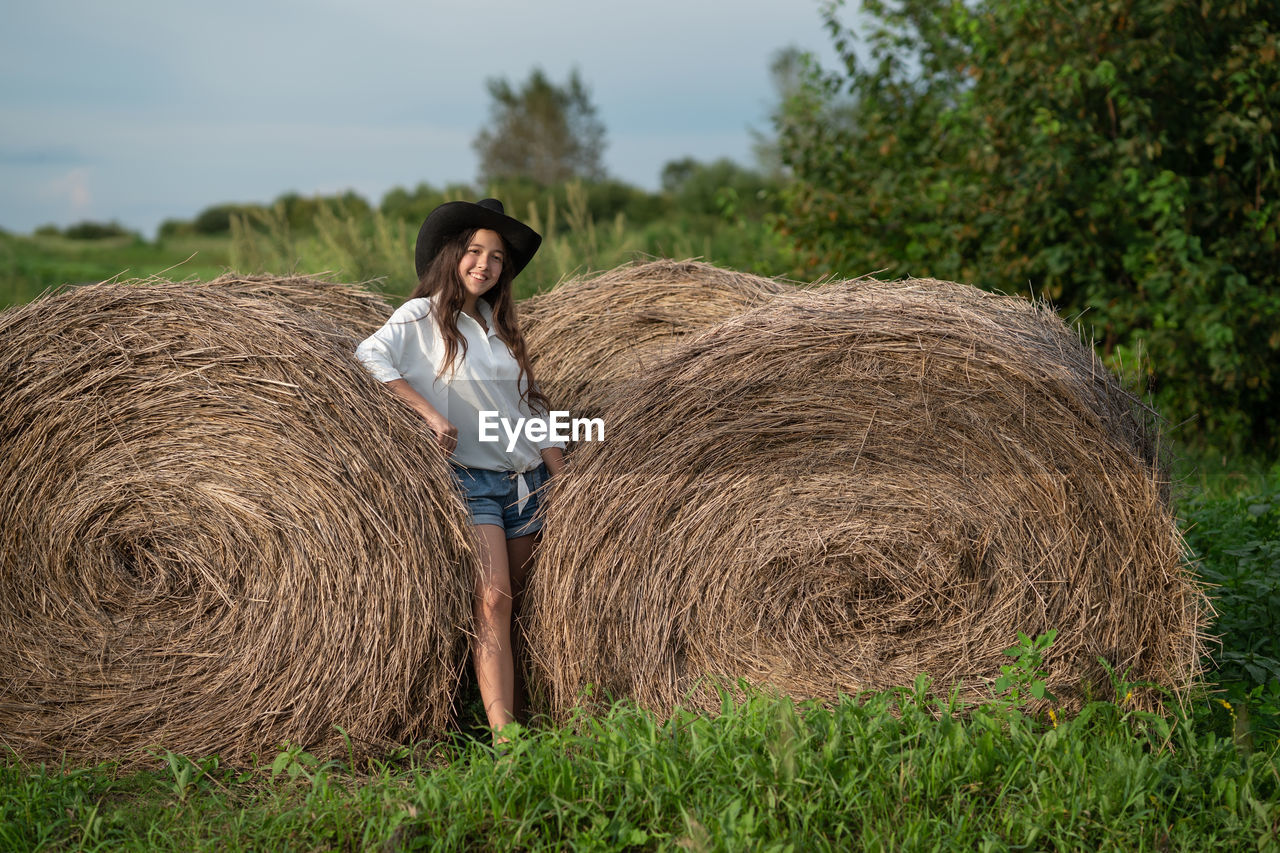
{"x": 493, "y": 603}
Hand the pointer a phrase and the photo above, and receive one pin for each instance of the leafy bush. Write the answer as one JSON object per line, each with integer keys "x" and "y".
{"x": 171, "y": 228}
{"x": 96, "y": 231}
{"x": 1119, "y": 158}
{"x": 300, "y": 212}
{"x": 704, "y": 188}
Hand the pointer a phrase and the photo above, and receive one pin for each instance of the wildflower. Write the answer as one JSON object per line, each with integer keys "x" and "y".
{"x": 1128, "y": 697}
{"x": 1053, "y": 718}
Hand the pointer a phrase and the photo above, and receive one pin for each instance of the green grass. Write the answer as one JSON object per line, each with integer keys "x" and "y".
{"x": 31, "y": 265}
{"x": 895, "y": 770}
{"x": 1235, "y": 535}
{"x": 1201, "y": 472}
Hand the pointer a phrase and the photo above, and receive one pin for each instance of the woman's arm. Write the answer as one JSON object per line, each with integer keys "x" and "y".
{"x": 554, "y": 457}
{"x": 446, "y": 433}
{"x": 383, "y": 353}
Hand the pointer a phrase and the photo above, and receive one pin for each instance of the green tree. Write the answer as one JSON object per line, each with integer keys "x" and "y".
{"x": 89, "y": 230}
{"x": 1118, "y": 156}
{"x": 790, "y": 71}
{"x": 413, "y": 205}
{"x": 717, "y": 187}
{"x": 542, "y": 131}
{"x": 216, "y": 219}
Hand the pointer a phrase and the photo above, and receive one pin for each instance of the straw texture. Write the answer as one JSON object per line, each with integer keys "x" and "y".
{"x": 351, "y": 307}
{"x": 217, "y": 533}
{"x": 856, "y": 484}
{"x": 588, "y": 336}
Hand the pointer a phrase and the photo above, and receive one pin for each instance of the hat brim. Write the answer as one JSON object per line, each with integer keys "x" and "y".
{"x": 455, "y": 217}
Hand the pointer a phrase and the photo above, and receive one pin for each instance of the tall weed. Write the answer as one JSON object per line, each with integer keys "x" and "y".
{"x": 379, "y": 248}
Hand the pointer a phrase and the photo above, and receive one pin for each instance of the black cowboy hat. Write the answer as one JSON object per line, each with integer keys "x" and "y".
{"x": 454, "y": 217}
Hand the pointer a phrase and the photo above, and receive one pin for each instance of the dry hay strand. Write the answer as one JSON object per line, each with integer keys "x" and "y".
{"x": 589, "y": 337}
{"x": 856, "y": 484}
{"x": 217, "y": 534}
{"x": 351, "y": 307}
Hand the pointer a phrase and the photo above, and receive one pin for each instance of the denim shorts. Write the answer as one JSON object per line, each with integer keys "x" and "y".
{"x": 493, "y": 498}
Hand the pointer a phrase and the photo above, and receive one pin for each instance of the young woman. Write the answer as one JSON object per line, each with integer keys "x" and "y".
{"x": 452, "y": 352}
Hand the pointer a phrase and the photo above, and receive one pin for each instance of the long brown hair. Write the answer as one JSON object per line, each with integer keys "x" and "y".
{"x": 442, "y": 282}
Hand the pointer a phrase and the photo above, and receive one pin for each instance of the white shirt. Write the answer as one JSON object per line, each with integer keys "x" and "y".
{"x": 410, "y": 346}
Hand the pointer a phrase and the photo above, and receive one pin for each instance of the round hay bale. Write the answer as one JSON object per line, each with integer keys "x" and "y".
{"x": 351, "y": 307}
{"x": 217, "y": 534}
{"x": 851, "y": 486}
{"x": 589, "y": 337}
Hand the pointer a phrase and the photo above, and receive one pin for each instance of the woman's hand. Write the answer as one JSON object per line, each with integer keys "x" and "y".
{"x": 554, "y": 457}
{"x": 446, "y": 433}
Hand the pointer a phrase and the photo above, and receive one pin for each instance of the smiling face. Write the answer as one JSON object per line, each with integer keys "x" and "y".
{"x": 481, "y": 263}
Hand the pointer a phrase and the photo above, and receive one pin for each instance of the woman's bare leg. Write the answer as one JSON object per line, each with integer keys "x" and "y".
{"x": 519, "y": 560}
{"x": 491, "y": 649}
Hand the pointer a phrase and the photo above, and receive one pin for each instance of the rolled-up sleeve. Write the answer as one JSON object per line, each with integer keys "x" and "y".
{"x": 385, "y": 353}
{"x": 550, "y": 442}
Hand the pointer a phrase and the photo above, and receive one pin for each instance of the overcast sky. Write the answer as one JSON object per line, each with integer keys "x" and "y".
{"x": 142, "y": 110}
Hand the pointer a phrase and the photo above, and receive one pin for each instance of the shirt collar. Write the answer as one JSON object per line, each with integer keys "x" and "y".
{"x": 486, "y": 311}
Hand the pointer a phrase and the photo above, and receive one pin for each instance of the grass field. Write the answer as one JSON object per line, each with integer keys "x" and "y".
{"x": 29, "y": 265}
{"x": 888, "y": 772}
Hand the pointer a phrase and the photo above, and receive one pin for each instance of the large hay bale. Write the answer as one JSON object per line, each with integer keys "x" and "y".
{"x": 217, "y": 534}
{"x": 588, "y": 337}
{"x": 851, "y": 486}
{"x": 350, "y": 307}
